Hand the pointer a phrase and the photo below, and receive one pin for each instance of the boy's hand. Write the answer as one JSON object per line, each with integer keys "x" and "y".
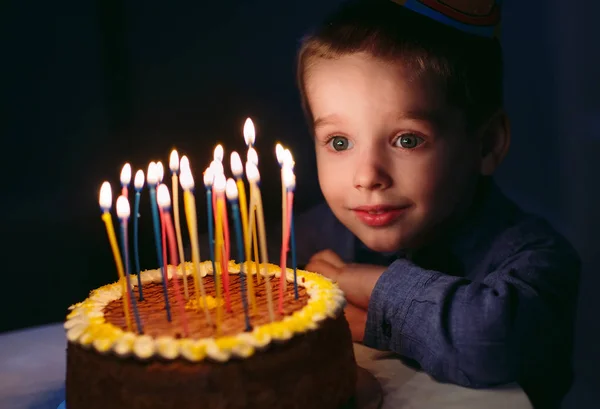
{"x": 357, "y": 319}
{"x": 356, "y": 280}
{"x": 327, "y": 263}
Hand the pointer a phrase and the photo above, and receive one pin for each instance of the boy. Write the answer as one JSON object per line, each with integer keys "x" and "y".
{"x": 436, "y": 263}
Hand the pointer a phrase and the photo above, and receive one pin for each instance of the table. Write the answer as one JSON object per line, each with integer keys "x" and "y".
{"x": 32, "y": 374}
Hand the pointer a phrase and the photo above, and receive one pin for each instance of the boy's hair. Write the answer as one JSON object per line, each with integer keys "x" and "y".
{"x": 467, "y": 68}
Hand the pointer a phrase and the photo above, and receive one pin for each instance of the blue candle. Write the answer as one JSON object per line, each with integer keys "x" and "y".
{"x": 123, "y": 213}
{"x": 139, "y": 184}
{"x": 208, "y": 181}
{"x": 152, "y": 181}
{"x": 232, "y": 197}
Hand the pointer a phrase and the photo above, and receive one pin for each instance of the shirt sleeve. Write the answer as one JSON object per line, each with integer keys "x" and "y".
{"x": 477, "y": 334}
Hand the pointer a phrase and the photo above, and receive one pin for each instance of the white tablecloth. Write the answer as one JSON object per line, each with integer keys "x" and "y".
{"x": 32, "y": 374}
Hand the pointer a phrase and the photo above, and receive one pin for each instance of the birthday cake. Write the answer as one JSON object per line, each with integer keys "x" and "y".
{"x": 303, "y": 358}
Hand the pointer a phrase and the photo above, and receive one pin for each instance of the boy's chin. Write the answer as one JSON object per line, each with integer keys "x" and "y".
{"x": 382, "y": 244}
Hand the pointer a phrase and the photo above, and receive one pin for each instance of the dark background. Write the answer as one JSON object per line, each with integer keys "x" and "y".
{"x": 87, "y": 86}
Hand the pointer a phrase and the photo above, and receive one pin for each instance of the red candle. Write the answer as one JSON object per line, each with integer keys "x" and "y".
{"x": 164, "y": 202}
{"x": 289, "y": 182}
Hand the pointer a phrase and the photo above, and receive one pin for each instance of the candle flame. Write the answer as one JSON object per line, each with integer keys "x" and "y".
{"x": 288, "y": 159}
{"x": 218, "y": 153}
{"x": 217, "y": 168}
{"x": 289, "y": 179}
{"x": 279, "y": 153}
{"x": 184, "y": 164}
{"x": 105, "y": 196}
{"x": 160, "y": 171}
{"x": 249, "y": 132}
{"x": 252, "y": 156}
{"x": 252, "y": 172}
{"x": 186, "y": 179}
{"x": 123, "y": 210}
{"x": 152, "y": 174}
{"x": 162, "y": 196}
{"x": 220, "y": 182}
{"x": 126, "y": 174}
{"x": 236, "y": 164}
{"x": 139, "y": 180}
{"x": 231, "y": 189}
{"x": 209, "y": 177}
{"x": 174, "y": 161}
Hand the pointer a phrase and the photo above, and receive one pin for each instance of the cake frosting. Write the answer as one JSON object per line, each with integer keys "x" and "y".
{"x": 309, "y": 346}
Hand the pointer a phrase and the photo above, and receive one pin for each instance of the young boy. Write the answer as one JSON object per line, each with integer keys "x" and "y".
{"x": 436, "y": 263}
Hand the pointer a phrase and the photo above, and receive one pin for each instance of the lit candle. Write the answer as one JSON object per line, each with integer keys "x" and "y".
{"x": 189, "y": 202}
{"x": 249, "y": 133}
{"x": 105, "y": 205}
{"x": 125, "y": 179}
{"x": 218, "y": 155}
{"x": 208, "y": 183}
{"x": 184, "y": 165}
{"x": 237, "y": 169}
{"x": 216, "y": 168}
{"x": 221, "y": 233}
{"x": 232, "y": 197}
{"x": 279, "y": 154}
{"x": 288, "y": 161}
{"x": 293, "y": 246}
{"x": 160, "y": 171}
{"x": 123, "y": 213}
{"x": 289, "y": 180}
{"x": 138, "y": 184}
{"x": 256, "y": 202}
{"x": 252, "y": 156}
{"x": 152, "y": 181}
{"x": 174, "y": 166}
{"x": 164, "y": 201}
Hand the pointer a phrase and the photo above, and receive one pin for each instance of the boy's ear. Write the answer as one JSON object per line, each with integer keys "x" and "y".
{"x": 495, "y": 141}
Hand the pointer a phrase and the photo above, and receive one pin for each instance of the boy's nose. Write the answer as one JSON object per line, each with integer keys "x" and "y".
{"x": 371, "y": 173}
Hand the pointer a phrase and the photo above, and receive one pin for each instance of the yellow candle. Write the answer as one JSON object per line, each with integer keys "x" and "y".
{"x": 255, "y": 243}
{"x": 237, "y": 170}
{"x": 189, "y": 202}
{"x": 218, "y": 255}
{"x": 244, "y": 216}
{"x": 174, "y": 166}
{"x": 255, "y": 199}
{"x": 105, "y": 204}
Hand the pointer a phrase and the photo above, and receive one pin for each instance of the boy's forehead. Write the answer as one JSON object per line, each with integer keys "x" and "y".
{"x": 332, "y": 84}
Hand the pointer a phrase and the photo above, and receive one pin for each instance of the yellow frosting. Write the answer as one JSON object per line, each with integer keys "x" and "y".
{"x": 85, "y": 324}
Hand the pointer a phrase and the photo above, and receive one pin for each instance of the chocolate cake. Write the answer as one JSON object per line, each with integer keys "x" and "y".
{"x": 301, "y": 359}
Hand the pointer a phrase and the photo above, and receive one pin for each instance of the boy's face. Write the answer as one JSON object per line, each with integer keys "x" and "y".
{"x": 394, "y": 160}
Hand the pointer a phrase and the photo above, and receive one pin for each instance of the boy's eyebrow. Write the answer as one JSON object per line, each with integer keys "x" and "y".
{"x": 434, "y": 116}
{"x": 325, "y": 120}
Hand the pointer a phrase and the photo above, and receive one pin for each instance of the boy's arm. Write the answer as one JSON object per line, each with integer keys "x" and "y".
{"x": 477, "y": 334}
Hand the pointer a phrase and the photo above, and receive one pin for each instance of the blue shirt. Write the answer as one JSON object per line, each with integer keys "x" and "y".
{"x": 490, "y": 302}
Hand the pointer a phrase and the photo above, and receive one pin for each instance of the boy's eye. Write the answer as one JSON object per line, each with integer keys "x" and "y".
{"x": 409, "y": 141}
{"x": 340, "y": 143}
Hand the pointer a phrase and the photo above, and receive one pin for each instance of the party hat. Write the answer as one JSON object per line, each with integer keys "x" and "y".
{"x": 479, "y": 17}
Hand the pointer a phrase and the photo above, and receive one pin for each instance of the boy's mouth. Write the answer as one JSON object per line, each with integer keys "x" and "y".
{"x": 379, "y": 216}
